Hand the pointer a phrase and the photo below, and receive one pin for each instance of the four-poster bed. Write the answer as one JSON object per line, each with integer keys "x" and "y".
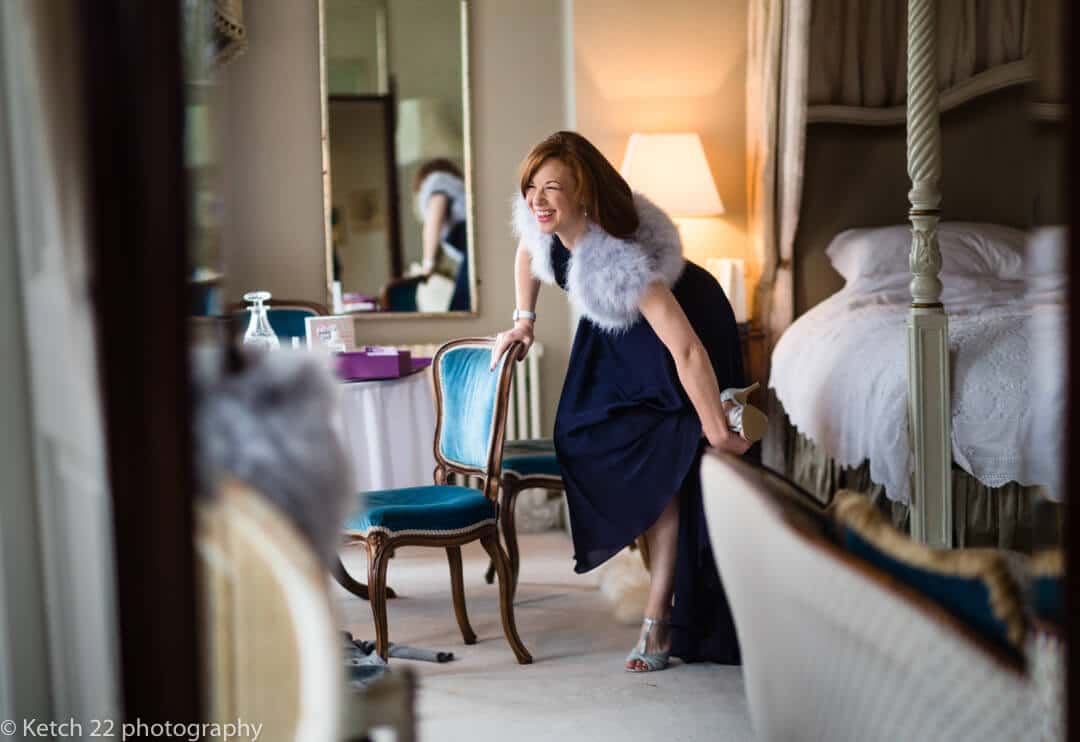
{"x": 835, "y": 67}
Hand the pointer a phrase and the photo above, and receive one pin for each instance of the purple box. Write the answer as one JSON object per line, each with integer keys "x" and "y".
{"x": 377, "y": 363}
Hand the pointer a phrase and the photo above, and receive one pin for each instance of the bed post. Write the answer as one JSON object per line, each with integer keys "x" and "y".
{"x": 929, "y": 396}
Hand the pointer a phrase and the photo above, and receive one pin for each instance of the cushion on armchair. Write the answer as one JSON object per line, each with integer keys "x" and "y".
{"x": 434, "y": 508}
{"x": 973, "y": 585}
{"x": 1046, "y": 571}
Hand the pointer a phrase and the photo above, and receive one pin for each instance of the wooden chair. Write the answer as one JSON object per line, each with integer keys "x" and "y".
{"x": 527, "y": 464}
{"x": 471, "y": 404}
{"x": 531, "y": 464}
{"x": 399, "y": 294}
{"x": 286, "y": 316}
{"x": 273, "y": 652}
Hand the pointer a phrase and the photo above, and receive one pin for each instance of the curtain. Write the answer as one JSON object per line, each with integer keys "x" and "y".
{"x": 776, "y": 131}
{"x": 858, "y": 48}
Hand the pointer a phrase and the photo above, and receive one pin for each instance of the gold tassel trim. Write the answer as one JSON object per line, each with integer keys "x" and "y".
{"x": 1048, "y": 563}
{"x": 1006, "y": 601}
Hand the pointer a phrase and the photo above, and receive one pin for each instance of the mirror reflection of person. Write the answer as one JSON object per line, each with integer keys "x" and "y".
{"x": 656, "y": 343}
{"x": 439, "y": 189}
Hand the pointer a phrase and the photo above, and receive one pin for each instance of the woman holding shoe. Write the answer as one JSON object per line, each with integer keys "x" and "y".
{"x": 656, "y": 344}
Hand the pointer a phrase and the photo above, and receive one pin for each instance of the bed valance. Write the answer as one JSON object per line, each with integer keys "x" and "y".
{"x": 857, "y": 71}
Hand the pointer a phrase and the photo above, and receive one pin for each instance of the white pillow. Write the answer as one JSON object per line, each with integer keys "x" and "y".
{"x": 967, "y": 249}
{"x": 1047, "y": 264}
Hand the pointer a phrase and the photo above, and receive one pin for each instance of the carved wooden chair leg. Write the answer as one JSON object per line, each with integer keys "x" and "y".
{"x": 509, "y": 534}
{"x": 378, "y": 556}
{"x": 359, "y": 589}
{"x": 457, "y": 586}
{"x": 505, "y": 493}
{"x": 506, "y": 598}
{"x": 508, "y": 529}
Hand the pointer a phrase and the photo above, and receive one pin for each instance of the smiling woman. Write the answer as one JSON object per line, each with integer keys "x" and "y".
{"x": 656, "y": 343}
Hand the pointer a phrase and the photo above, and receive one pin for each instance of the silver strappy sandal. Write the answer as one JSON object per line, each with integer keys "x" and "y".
{"x": 743, "y": 418}
{"x": 654, "y": 661}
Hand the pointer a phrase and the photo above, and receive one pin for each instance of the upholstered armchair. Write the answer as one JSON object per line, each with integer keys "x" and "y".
{"x": 846, "y": 636}
{"x": 471, "y": 407}
{"x": 273, "y": 651}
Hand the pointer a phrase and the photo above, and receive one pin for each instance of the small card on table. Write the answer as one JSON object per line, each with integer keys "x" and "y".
{"x": 335, "y": 332}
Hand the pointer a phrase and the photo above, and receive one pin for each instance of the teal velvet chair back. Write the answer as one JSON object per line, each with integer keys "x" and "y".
{"x": 286, "y": 318}
{"x": 288, "y": 322}
{"x": 472, "y": 406}
{"x": 401, "y": 298}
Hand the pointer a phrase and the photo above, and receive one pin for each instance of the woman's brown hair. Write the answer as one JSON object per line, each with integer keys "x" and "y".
{"x": 606, "y": 194}
{"x": 438, "y": 165}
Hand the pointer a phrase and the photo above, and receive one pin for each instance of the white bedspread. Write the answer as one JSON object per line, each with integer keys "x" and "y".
{"x": 841, "y": 373}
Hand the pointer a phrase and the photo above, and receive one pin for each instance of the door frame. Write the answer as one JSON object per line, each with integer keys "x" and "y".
{"x": 133, "y": 78}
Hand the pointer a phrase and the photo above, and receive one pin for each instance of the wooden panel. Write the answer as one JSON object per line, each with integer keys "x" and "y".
{"x": 755, "y": 361}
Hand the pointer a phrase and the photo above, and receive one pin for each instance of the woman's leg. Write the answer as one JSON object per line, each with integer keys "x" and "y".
{"x": 663, "y": 539}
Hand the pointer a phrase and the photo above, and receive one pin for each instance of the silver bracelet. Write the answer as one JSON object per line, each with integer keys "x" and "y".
{"x": 524, "y": 314}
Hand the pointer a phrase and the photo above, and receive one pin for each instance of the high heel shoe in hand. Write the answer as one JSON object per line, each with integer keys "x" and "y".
{"x": 743, "y": 418}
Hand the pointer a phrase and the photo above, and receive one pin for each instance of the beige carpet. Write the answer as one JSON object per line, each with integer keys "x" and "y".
{"x": 574, "y": 690}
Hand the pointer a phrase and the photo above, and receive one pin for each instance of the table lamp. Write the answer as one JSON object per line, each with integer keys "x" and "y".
{"x": 671, "y": 170}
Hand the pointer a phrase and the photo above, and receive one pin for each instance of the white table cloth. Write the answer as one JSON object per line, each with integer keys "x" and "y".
{"x": 389, "y": 431}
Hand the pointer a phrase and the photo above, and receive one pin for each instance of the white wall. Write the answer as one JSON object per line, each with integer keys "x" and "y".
{"x": 271, "y": 157}
{"x": 273, "y": 214}
{"x": 24, "y": 653}
{"x": 425, "y": 60}
{"x": 357, "y": 151}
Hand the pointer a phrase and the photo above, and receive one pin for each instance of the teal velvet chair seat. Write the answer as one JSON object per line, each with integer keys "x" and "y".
{"x": 470, "y": 423}
{"x": 422, "y": 510}
{"x": 399, "y": 295}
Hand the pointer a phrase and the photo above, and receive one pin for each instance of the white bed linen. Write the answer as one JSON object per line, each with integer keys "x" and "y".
{"x": 840, "y": 372}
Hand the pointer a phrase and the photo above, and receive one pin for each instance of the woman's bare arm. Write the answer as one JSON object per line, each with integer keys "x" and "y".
{"x": 434, "y": 217}
{"x": 526, "y": 289}
{"x": 667, "y": 319}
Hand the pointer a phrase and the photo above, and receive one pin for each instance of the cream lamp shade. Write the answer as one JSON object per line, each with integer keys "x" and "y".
{"x": 672, "y": 171}
{"x": 426, "y": 129}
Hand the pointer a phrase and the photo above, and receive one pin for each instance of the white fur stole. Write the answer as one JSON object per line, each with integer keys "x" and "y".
{"x": 607, "y": 276}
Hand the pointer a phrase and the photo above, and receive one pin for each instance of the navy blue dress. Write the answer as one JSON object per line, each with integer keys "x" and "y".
{"x": 628, "y": 440}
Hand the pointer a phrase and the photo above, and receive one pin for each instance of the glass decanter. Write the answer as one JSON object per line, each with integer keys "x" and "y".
{"x": 259, "y": 332}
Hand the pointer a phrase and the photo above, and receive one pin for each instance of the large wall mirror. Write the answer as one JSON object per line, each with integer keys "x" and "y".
{"x": 397, "y": 188}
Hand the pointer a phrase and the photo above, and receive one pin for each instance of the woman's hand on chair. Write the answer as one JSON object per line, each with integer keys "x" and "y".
{"x": 521, "y": 332}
